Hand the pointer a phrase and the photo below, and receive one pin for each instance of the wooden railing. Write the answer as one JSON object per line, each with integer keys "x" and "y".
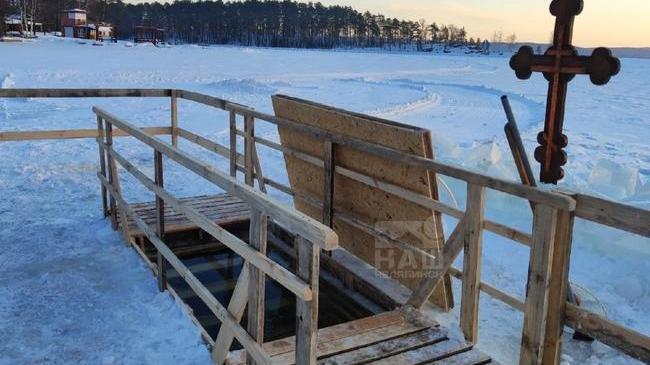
{"x": 313, "y": 237}
{"x": 546, "y": 310}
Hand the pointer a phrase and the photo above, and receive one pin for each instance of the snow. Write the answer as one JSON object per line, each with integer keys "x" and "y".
{"x": 78, "y": 293}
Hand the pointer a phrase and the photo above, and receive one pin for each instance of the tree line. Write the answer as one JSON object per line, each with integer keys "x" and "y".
{"x": 269, "y": 23}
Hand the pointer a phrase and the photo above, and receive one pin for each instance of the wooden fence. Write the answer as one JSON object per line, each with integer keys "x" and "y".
{"x": 546, "y": 310}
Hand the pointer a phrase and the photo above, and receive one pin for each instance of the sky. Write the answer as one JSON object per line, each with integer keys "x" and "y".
{"x": 618, "y": 23}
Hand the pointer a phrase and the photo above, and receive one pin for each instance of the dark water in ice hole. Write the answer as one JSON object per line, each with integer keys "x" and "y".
{"x": 219, "y": 273}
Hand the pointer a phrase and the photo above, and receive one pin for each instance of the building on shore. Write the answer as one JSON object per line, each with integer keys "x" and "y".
{"x": 148, "y": 34}
{"x": 16, "y": 26}
{"x": 74, "y": 23}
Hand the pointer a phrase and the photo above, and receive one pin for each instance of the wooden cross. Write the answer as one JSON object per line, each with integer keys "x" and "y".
{"x": 559, "y": 65}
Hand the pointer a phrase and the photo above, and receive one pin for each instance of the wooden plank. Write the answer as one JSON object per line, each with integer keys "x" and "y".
{"x": 473, "y": 250}
{"x": 628, "y": 341}
{"x": 558, "y": 288}
{"x": 268, "y": 266}
{"x": 329, "y": 154}
{"x": 83, "y": 93}
{"x": 233, "y": 145}
{"x": 532, "y": 194}
{"x": 426, "y": 354}
{"x": 357, "y": 327}
{"x": 616, "y": 215}
{"x": 236, "y": 308}
{"x": 211, "y": 302}
{"x": 160, "y": 220}
{"x": 296, "y": 222}
{"x": 70, "y": 134}
{"x": 174, "y": 117}
{"x": 472, "y": 357}
{"x": 308, "y": 269}
{"x": 257, "y": 169}
{"x": 257, "y": 281}
{"x": 210, "y": 145}
{"x": 202, "y": 99}
{"x": 102, "y": 164}
{"x": 372, "y": 206}
{"x": 356, "y": 342}
{"x": 385, "y": 347}
{"x": 249, "y": 130}
{"x": 450, "y": 251}
{"x": 537, "y": 288}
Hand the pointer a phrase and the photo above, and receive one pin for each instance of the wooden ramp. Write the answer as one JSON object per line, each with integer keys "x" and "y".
{"x": 400, "y": 337}
{"x": 223, "y": 209}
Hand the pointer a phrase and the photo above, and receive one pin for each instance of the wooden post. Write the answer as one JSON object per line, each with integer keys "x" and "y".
{"x": 174, "y": 117}
{"x": 558, "y": 288}
{"x": 233, "y": 144}
{"x": 102, "y": 164}
{"x": 249, "y": 131}
{"x": 160, "y": 220}
{"x": 536, "y": 312}
{"x": 473, "y": 247}
{"x": 108, "y": 128}
{"x": 257, "y": 284}
{"x": 307, "y": 311}
{"x": 328, "y": 181}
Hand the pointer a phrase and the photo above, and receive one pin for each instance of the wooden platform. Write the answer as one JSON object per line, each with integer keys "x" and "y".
{"x": 392, "y": 338}
{"x": 223, "y": 209}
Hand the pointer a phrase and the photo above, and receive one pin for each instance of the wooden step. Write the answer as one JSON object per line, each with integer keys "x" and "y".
{"x": 223, "y": 209}
{"x": 400, "y": 337}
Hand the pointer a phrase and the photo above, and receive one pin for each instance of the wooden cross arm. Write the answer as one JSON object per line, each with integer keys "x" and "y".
{"x": 600, "y": 66}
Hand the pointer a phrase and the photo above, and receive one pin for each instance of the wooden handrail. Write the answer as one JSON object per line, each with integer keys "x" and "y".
{"x": 268, "y": 266}
{"x": 295, "y": 221}
{"x": 85, "y": 93}
{"x": 252, "y": 347}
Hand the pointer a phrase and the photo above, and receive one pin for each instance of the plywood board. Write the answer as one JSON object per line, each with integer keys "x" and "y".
{"x": 399, "y": 218}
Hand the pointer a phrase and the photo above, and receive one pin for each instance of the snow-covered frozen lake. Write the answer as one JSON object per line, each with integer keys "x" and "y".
{"x": 71, "y": 292}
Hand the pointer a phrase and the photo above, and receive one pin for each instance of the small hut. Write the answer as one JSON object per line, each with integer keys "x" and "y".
{"x": 148, "y": 34}
{"x": 75, "y": 24}
{"x": 16, "y": 26}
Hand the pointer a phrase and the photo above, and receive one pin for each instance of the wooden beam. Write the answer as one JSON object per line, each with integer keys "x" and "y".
{"x": 249, "y": 143}
{"x": 283, "y": 276}
{"x": 160, "y": 220}
{"x": 612, "y": 214}
{"x": 102, "y": 164}
{"x": 236, "y": 308}
{"x": 70, "y": 134}
{"x": 202, "y": 99}
{"x": 558, "y": 288}
{"x": 233, "y": 145}
{"x": 628, "y": 341}
{"x": 296, "y": 222}
{"x": 473, "y": 250}
{"x": 545, "y": 223}
{"x": 209, "y": 145}
{"x": 174, "y": 118}
{"x": 328, "y": 181}
{"x": 201, "y": 291}
{"x": 257, "y": 281}
{"x": 84, "y": 93}
{"x": 307, "y": 311}
{"x": 450, "y": 252}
